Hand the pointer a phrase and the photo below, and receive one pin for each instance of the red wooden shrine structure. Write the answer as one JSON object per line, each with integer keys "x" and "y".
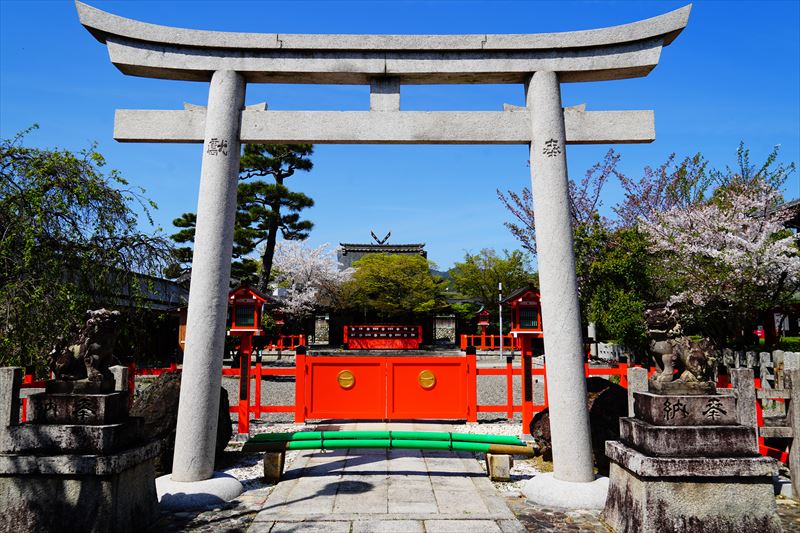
{"x": 382, "y": 337}
{"x": 526, "y": 325}
{"x": 246, "y": 308}
{"x": 526, "y": 317}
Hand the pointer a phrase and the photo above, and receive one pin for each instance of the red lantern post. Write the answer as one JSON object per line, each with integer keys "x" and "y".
{"x": 483, "y": 321}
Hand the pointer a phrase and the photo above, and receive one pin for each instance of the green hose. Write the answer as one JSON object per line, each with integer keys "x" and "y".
{"x": 417, "y": 440}
{"x": 382, "y": 435}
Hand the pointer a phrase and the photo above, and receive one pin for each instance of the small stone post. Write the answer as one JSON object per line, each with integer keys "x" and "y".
{"x": 793, "y": 417}
{"x": 637, "y": 382}
{"x": 10, "y": 381}
{"x": 745, "y": 390}
{"x": 563, "y": 334}
{"x": 120, "y": 374}
{"x": 195, "y": 437}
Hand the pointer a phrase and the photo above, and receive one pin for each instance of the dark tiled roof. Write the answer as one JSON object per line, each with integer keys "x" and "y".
{"x": 375, "y": 248}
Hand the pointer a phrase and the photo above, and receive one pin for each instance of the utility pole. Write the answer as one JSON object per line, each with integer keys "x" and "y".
{"x": 500, "y": 314}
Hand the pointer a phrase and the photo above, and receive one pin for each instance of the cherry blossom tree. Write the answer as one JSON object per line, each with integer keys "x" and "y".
{"x": 584, "y": 200}
{"x": 311, "y": 276}
{"x": 711, "y": 242}
{"x": 726, "y": 259}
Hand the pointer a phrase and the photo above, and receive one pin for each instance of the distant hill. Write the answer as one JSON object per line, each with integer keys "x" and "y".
{"x": 442, "y": 274}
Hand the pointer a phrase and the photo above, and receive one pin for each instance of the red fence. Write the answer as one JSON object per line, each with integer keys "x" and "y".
{"x": 528, "y": 407}
{"x": 303, "y": 408}
{"x": 485, "y": 343}
{"x": 286, "y": 342}
{"x": 28, "y": 382}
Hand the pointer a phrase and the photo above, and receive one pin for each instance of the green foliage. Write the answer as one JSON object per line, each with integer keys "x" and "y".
{"x": 261, "y": 202}
{"x": 269, "y": 326}
{"x": 263, "y": 210}
{"x": 394, "y": 286}
{"x": 614, "y": 268}
{"x": 479, "y": 275}
{"x": 464, "y": 310}
{"x": 69, "y": 242}
{"x": 789, "y": 344}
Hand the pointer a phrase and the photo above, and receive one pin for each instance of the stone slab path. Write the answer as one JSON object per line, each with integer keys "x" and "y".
{"x": 385, "y": 491}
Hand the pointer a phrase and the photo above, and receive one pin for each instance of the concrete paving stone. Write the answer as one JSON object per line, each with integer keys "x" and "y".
{"x": 399, "y": 453}
{"x": 410, "y": 484}
{"x": 495, "y": 504}
{"x": 462, "y": 526}
{"x": 416, "y": 507}
{"x": 307, "y": 490}
{"x": 407, "y": 496}
{"x": 466, "y": 502}
{"x": 367, "y": 451}
{"x": 360, "y": 507}
{"x": 311, "y": 527}
{"x": 452, "y": 483}
{"x": 511, "y": 525}
{"x": 388, "y": 526}
{"x": 312, "y": 505}
{"x": 398, "y": 457}
{"x": 374, "y": 501}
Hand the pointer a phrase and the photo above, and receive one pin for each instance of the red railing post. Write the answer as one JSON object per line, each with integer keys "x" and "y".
{"x": 258, "y": 389}
{"x": 527, "y": 391}
{"x": 472, "y": 386}
{"x": 510, "y": 386}
{"x": 300, "y": 384}
{"x": 26, "y": 379}
{"x": 759, "y": 417}
{"x": 623, "y": 375}
{"x": 244, "y": 394}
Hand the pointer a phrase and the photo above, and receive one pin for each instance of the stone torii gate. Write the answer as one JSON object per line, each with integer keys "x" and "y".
{"x": 540, "y": 62}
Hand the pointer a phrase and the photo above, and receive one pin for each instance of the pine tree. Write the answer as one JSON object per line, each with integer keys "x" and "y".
{"x": 263, "y": 210}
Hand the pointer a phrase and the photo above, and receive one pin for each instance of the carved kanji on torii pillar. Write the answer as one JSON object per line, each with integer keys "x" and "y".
{"x": 540, "y": 62}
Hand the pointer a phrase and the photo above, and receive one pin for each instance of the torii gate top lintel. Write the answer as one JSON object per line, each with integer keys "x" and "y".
{"x": 624, "y": 51}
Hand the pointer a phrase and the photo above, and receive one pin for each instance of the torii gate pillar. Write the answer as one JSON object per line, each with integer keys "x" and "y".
{"x": 195, "y": 437}
{"x": 561, "y": 317}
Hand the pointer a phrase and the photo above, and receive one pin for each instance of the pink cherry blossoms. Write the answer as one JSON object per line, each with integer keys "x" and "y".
{"x": 311, "y": 276}
{"x": 727, "y": 251}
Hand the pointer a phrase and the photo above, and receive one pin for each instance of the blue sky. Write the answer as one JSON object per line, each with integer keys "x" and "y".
{"x": 731, "y": 76}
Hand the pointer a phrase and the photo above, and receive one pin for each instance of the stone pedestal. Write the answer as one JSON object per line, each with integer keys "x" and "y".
{"x": 685, "y": 464}
{"x": 79, "y": 464}
{"x": 79, "y": 493}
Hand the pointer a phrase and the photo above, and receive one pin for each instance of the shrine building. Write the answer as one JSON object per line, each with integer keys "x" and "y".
{"x": 349, "y": 253}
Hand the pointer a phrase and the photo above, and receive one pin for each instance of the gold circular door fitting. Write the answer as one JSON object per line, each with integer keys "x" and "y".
{"x": 346, "y": 379}
{"x": 426, "y": 379}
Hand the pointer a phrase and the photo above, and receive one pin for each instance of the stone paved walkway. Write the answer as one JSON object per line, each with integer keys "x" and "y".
{"x": 392, "y": 491}
{"x": 385, "y": 490}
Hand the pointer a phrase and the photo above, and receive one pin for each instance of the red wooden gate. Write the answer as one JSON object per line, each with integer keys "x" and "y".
{"x": 389, "y": 388}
